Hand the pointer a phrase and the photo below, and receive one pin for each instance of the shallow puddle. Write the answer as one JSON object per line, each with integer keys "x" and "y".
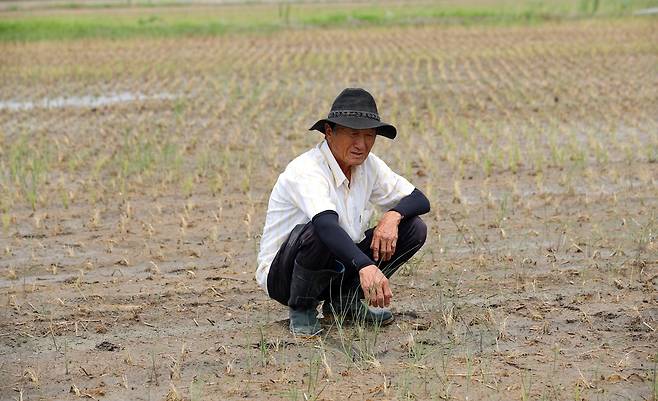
{"x": 81, "y": 101}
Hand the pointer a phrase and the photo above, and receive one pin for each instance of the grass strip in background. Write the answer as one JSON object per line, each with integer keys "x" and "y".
{"x": 153, "y": 20}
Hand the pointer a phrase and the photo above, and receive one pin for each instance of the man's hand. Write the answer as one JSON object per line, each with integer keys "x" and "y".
{"x": 375, "y": 286}
{"x": 385, "y": 236}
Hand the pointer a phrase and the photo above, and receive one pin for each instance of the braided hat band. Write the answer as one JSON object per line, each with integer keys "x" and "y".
{"x": 353, "y": 113}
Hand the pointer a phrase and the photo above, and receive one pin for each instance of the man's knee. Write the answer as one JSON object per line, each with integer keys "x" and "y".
{"x": 312, "y": 253}
{"x": 417, "y": 230}
{"x": 310, "y": 240}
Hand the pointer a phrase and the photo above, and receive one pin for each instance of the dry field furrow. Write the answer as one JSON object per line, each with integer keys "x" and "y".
{"x": 135, "y": 174}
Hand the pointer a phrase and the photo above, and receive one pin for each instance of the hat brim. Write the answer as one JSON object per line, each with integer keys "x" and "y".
{"x": 383, "y": 129}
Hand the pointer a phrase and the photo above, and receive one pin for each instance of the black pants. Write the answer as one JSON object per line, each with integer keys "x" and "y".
{"x": 304, "y": 247}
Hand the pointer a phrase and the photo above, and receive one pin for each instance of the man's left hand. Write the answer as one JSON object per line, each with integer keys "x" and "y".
{"x": 385, "y": 236}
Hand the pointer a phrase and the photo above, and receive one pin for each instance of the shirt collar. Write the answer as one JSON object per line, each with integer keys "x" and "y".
{"x": 339, "y": 176}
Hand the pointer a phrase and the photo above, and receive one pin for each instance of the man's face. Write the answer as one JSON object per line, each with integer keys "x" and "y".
{"x": 349, "y": 146}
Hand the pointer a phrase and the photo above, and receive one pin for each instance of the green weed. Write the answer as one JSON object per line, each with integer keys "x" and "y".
{"x": 28, "y": 168}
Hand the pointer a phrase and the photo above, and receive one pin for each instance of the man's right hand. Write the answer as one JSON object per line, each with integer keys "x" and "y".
{"x": 375, "y": 286}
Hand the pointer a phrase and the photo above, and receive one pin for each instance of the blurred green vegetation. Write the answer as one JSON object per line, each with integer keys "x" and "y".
{"x": 166, "y": 19}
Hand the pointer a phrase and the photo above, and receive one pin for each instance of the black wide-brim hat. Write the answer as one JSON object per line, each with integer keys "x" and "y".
{"x": 356, "y": 108}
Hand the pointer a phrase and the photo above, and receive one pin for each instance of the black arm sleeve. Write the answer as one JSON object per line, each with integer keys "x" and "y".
{"x": 339, "y": 243}
{"x": 414, "y": 204}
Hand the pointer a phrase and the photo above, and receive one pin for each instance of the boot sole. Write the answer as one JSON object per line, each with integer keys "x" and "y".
{"x": 305, "y": 335}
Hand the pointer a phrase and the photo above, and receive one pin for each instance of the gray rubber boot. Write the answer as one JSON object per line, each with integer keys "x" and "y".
{"x": 304, "y": 322}
{"x": 305, "y": 287}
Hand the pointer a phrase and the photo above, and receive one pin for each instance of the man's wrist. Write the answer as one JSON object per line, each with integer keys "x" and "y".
{"x": 364, "y": 267}
{"x": 395, "y": 214}
{"x": 362, "y": 263}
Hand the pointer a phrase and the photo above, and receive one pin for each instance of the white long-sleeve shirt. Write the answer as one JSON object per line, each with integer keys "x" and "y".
{"x": 312, "y": 183}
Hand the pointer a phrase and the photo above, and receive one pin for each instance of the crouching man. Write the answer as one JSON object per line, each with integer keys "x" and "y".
{"x": 316, "y": 244}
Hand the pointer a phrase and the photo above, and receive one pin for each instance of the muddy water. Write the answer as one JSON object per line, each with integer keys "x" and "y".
{"x": 88, "y": 101}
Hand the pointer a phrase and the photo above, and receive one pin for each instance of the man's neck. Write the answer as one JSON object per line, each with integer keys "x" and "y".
{"x": 347, "y": 171}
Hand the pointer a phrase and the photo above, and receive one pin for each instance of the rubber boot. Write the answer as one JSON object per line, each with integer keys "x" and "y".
{"x": 305, "y": 288}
